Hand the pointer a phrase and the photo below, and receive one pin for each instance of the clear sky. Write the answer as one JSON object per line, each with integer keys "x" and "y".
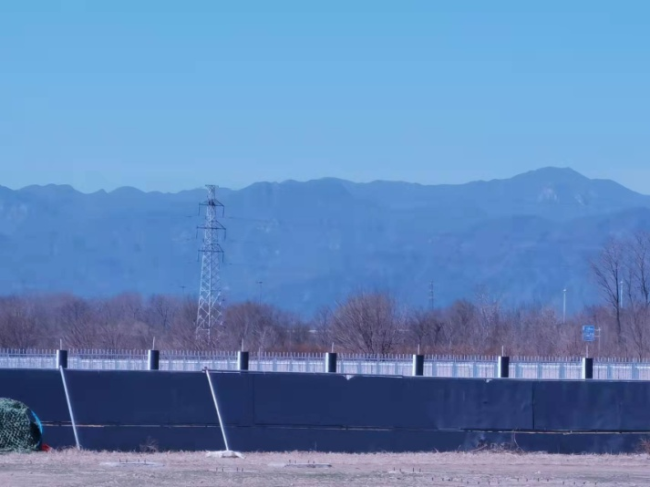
{"x": 170, "y": 95}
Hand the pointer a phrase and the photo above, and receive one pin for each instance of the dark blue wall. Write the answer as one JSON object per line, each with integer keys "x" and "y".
{"x": 329, "y": 412}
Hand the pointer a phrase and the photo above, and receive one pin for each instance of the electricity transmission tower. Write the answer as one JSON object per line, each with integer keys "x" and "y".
{"x": 210, "y": 313}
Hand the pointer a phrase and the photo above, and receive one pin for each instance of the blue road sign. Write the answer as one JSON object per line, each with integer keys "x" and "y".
{"x": 588, "y": 333}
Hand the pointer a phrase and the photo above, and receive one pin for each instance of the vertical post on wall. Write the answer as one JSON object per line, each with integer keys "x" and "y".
{"x": 418, "y": 365}
{"x": 587, "y": 368}
{"x": 153, "y": 359}
{"x": 504, "y": 367}
{"x": 62, "y": 359}
{"x": 242, "y": 360}
{"x": 330, "y": 362}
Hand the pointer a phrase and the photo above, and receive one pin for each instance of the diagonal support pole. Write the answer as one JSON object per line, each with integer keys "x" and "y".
{"x": 216, "y": 406}
{"x": 67, "y": 398}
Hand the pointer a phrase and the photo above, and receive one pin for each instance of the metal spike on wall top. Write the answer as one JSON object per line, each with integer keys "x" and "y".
{"x": 210, "y": 310}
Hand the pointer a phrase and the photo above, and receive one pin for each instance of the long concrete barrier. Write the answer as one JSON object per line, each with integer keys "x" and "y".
{"x": 133, "y": 411}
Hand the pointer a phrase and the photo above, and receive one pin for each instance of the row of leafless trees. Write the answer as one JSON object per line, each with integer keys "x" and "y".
{"x": 622, "y": 274}
{"x": 365, "y": 323}
{"x": 130, "y": 321}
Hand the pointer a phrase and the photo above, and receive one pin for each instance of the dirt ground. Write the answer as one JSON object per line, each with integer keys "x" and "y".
{"x": 72, "y": 468}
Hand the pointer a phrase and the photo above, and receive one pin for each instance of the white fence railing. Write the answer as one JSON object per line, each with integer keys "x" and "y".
{"x": 434, "y": 366}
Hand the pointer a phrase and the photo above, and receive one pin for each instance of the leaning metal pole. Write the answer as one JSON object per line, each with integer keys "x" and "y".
{"x": 216, "y": 406}
{"x": 67, "y": 398}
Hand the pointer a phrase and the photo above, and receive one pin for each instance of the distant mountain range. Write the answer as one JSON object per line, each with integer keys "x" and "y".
{"x": 311, "y": 243}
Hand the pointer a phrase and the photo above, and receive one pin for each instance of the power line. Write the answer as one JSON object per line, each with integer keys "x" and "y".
{"x": 306, "y": 223}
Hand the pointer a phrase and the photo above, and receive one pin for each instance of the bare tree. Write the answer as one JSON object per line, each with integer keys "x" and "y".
{"x": 535, "y": 331}
{"x": 462, "y": 319}
{"x": 182, "y": 332}
{"x": 491, "y": 328}
{"x": 639, "y": 272}
{"x": 17, "y": 324}
{"x": 160, "y": 311}
{"x": 76, "y": 322}
{"x": 609, "y": 270}
{"x": 638, "y": 331}
{"x": 425, "y": 330}
{"x": 253, "y": 325}
{"x": 367, "y": 323}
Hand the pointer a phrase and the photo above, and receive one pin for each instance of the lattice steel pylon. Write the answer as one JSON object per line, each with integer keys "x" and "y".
{"x": 210, "y": 311}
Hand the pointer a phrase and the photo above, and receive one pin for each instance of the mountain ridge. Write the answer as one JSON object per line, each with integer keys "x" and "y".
{"x": 312, "y": 242}
{"x": 542, "y": 171}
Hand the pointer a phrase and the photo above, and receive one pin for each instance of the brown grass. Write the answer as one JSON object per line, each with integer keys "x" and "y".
{"x": 73, "y": 468}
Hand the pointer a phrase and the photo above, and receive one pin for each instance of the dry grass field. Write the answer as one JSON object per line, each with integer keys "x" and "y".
{"x": 72, "y": 468}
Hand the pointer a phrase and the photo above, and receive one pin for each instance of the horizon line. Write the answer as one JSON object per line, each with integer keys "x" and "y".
{"x": 305, "y": 181}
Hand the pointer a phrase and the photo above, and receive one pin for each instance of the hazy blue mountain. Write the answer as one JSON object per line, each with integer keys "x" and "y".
{"x": 554, "y": 193}
{"x": 311, "y": 243}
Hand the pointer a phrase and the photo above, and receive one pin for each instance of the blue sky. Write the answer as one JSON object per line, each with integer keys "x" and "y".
{"x": 169, "y": 95}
